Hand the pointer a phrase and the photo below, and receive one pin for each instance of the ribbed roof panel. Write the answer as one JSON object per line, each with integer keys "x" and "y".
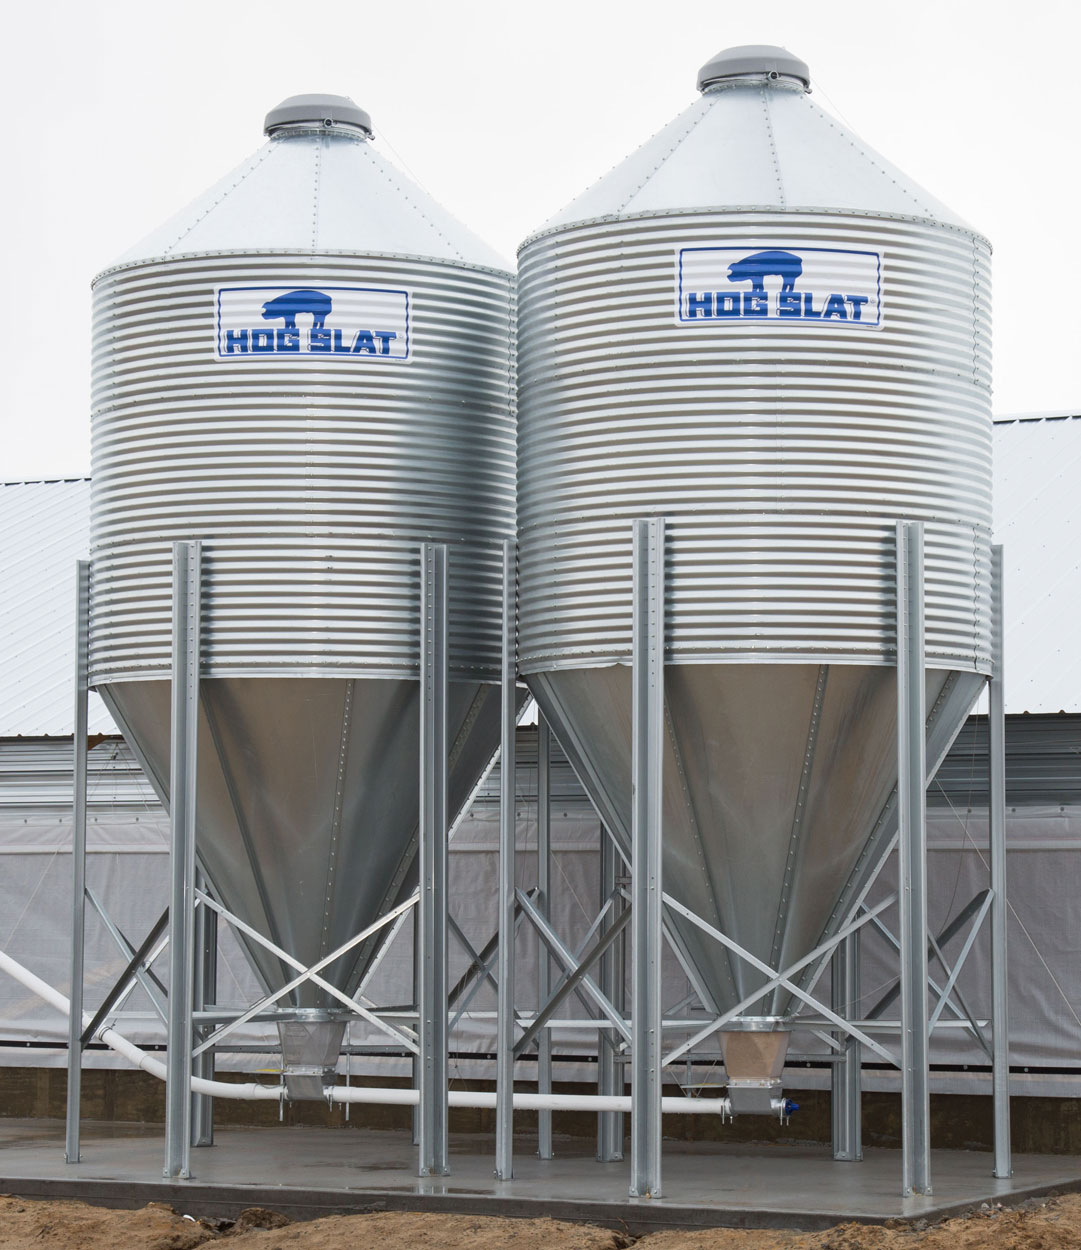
{"x": 44, "y": 530}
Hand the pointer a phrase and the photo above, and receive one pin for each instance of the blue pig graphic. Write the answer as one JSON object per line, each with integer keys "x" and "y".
{"x": 294, "y": 302}
{"x": 754, "y": 269}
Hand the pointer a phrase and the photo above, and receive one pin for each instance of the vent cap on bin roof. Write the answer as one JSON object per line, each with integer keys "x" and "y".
{"x": 753, "y": 62}
{"x": 329, "y": 112}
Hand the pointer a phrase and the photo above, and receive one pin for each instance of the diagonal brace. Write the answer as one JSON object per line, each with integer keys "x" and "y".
{"x": 146, "y": 976}
{"x": 478, "y": 962}
{"x": 955, "y": 972}
{"x": 310, "y": 974}
{"x": 571, "y": 982}
{"x": 552, "y": 940}
{"x": 126, "y": 977}
{"x": 776, "y": 979}
{"x": 470, "y": 982}
{"x": 949, "y": 932}
{"x": 405, "y": 1037}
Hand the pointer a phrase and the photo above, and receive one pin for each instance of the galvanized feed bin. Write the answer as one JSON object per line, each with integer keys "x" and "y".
{"x": 310, "y": 369}
{"x": 760, "y": 330}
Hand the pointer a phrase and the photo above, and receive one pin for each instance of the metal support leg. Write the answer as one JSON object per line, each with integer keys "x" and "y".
{"x": 415, "y": 1063}
{"x": 912, "y": 819}
{"x": 432, "y": 911}
{"x": 544, "y": 906}
{"x": 647, "y": 888}
{"x": 611, "y": 978}
{"x": 1000, "y": 1040}
{"x": 78, "y": 858}
{"x": 206, "y": 994}
{"x": 845, "y": 1103}
{"x": 504, "y": 1071}
{"x": 187, "y": 565}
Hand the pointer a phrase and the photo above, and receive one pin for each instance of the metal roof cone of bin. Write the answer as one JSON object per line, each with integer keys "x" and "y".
{"x": 309, "y": 369}
{"x": 760, "y": 330}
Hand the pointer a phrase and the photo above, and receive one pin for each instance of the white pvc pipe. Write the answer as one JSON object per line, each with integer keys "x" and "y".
{"x": 253, "y": 1092}
{"x": 128, "y": 1050}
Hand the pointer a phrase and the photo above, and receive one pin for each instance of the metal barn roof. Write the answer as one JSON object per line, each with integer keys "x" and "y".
{"x": 1037, "y": 506}
{"x": 44, "y": 528}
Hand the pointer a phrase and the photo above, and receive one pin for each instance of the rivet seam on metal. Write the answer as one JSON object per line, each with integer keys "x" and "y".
{"x": 866, "y": 154}
{"x": 336, "y": 820}
{"x": 773, "y": 147}
{"x": 383, "y": 168}
{"x": 256, "y": 161}
{"x": 316, "y": 182}
{"x": 823, "y": 210}
{"x": 695, "y": 122}
{"x": 794, "y": 842}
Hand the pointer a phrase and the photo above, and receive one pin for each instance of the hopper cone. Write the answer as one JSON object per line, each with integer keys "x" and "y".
{"x": 307, "y": 804}
{"x": 778, "y": 785}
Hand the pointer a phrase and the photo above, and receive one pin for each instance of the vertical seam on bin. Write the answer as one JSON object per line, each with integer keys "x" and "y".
{"x": 697, "y": 121}
{"x": 316, "y": 180}
{"x": 773, "y": 147}
{"x": 252, "y": 167}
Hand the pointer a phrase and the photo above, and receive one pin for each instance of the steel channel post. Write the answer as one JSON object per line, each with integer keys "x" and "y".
{"x": 647, "y": 765}
{"x": 504, "y": 1072}
{"x": 415, "y": 1062}
{"x": 845, "y": 1075}
{"x": 205, "y": 994}
{"x": 996, "y": 721}
{"x": 432, "y": 909}
{"x": 838, "y": 1086}
{"x": 853, "y": 1050}
{"x": 187, "y": 578}
{"x": 78, "y": 858}
{"x": 610, "y": 976}
{"x": 912, "y": 843}
{"x": 544, "y": 906}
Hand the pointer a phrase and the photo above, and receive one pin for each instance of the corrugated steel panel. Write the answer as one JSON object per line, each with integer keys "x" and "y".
{"x": 44, "y": 529}
{"x": 312, "y": 481}
{"x": 1043, "y": 764}
{"x": 780, "y": 459}
{"x": 1038, "y": 521}
{"x": 567, "y": 796}
{"x": 36, "y": 776}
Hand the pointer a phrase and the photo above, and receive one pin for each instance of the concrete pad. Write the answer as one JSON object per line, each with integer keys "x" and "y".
{"x": 307, "y": 1172}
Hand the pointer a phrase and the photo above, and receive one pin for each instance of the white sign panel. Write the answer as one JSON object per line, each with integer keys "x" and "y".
{"x": 796, "y": 284}
{"x": 355, "y": 323}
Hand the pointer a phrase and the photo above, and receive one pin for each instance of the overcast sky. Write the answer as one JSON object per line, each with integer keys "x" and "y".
{"x": 117, "y": 114}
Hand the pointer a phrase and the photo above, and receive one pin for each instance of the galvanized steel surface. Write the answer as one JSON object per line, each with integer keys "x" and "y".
{"x": 766, "y": 146}
{"x": 312, "y": 477}
{"x": 781, "y": 451}
{"x": 316, "y": 191}
{"x": 781, "y": 455}
{"x": 312, "y": 483}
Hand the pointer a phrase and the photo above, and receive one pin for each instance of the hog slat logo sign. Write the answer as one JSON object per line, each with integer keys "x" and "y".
{"x": 797, "y": 284}
{"x": 353, "y": 323}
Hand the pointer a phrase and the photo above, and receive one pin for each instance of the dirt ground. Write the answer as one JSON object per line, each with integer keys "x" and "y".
{"x": 25, "y": 1224}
